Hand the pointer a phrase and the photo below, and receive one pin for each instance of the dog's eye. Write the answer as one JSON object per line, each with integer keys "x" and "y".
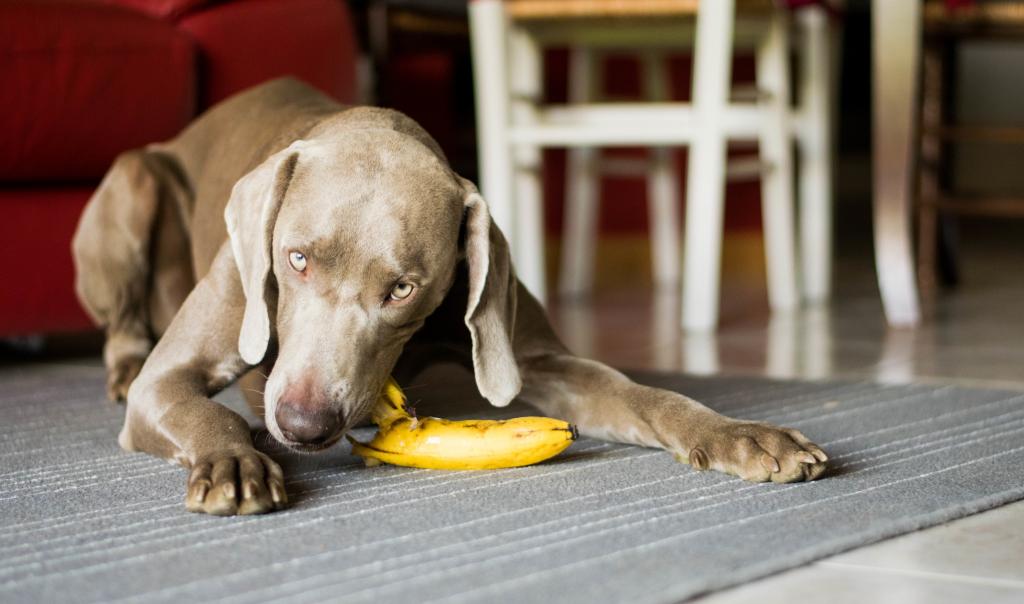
{"x": 401, "y": 291}
{"x": 297, "y": 260}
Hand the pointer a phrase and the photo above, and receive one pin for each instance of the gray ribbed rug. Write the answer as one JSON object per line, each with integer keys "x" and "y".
{"x": 81, "y": 521}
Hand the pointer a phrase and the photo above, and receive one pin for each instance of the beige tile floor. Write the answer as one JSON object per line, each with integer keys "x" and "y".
{"x": 976, "y": 339}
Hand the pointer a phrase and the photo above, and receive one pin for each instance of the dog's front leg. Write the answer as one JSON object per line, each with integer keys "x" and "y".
{"x": 170, "y": 413}
{"x": 604, "y": 403}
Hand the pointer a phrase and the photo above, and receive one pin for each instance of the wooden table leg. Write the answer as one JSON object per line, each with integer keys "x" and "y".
{"x": 896, "y": 27}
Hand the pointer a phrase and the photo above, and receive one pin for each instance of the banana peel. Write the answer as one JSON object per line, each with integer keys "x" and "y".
{"x": 403, "y": 439}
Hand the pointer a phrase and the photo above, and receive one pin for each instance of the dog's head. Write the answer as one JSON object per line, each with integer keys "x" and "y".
{"x": 344, "y": 249}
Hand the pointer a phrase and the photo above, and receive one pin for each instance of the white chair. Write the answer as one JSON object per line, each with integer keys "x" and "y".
{"x": 513, "y": 127}
{"x": 585, "y": 167}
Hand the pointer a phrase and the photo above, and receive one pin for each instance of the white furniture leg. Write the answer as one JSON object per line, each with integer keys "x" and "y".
{"x": 815, "y": 142}
{"x": 705, "y": 195}
{"x": 525, "y": 88}
{"x": 776, "y": 149}
{"x": 582, "y": 187}
{"x": 895, "y": 58}
{"x": 488, "y": 38}
{"x": 662, "y": 187}
{"x": 665, "y": 334}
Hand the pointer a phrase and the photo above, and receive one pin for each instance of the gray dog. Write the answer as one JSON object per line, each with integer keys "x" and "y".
{"x": 310, "y": 250}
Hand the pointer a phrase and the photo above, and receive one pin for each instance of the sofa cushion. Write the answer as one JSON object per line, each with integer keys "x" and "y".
{"x": 38, "y": 276}
{"x": 161, "y": 9}
{"x": 83, "y": 82}
{"x": 247, "y": 42}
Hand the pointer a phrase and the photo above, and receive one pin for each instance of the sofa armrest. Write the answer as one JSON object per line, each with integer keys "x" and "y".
{"x": 83, "y": 82}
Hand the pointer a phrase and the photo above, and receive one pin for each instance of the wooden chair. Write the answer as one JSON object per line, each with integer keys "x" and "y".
{"x": 938, "y": 203}
{"x": 513, "y": 126}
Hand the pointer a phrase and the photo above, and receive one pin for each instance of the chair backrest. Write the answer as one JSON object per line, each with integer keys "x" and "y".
{"x": 560, "y": 9}
{"x": 1005, "y": 17}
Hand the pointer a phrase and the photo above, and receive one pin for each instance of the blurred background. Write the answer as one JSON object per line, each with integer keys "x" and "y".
{"x": 84, "y": 80}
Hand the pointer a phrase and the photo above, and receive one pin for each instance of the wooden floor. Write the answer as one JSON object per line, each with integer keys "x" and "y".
{"x": 975, "y": 338}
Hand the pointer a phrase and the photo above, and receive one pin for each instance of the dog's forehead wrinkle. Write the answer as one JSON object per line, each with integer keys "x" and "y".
{"x": 378, "y": 211}
{"x": 385, "y": 165}
{"x": 396, "y": 241}
{"x": 373, "y": 153}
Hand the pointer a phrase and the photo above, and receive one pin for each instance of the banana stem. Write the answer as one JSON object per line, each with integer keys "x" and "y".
{"x": 391, "y": 406}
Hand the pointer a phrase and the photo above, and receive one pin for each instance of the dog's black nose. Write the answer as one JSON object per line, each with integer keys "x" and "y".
{"x": 302, "y": 425}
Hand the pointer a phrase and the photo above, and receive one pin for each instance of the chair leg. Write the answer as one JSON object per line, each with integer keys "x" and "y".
{"x": 776, "y": 149}
{"x": 663, "y": 191}
{"x": 489, "y": 39}
{"x": 705, "y": 195}
{"x": 815, "y": 172}
{"x": 582, "y": 188}
{"x": 579, "y": 236}
{"x": 928, "y": 182}
{"x": 529, "y": 254}
{"x": 662, "y": 187}
{"x": 895, "y": 56}
{"x": 525, "y": 89}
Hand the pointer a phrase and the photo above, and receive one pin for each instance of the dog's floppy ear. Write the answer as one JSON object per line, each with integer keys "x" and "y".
{"x": 491, "y": 306}
{"x": 250, "y": 216}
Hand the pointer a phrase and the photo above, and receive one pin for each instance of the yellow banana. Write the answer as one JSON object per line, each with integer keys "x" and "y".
{"x": 441, "y": 444}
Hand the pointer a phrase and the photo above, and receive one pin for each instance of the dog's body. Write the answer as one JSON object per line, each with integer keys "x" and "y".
{"x": 327, "y": 247}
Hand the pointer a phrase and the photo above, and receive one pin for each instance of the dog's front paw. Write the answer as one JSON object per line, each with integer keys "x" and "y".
{"x": 121, "y": 375}
{"x": 759, "y": 452}
{"x": 235, "y": 482}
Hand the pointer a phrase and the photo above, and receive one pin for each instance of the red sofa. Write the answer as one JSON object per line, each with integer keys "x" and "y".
{"x": 84, "y": 80}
